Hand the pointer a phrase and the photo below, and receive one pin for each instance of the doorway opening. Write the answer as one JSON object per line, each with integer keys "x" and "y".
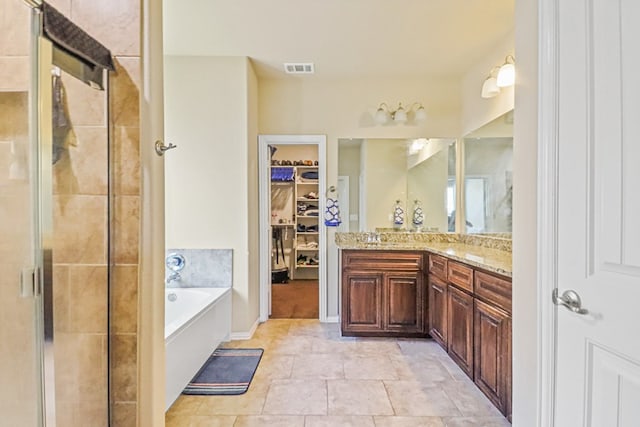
{"x": 292, "y": 244}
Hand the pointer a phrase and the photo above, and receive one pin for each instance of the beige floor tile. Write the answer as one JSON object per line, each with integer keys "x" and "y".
{"x": 470, "y": 400}
{"x": 369, "y": 367}
{"x": 274, "y": 367}
{"x": 212, "y": 421}
{"x": 314, "y": 328}
{"x": 183, "y": 420}
{"x": 177, "y": 420}
{"x": 381, "y": 381}
{"x": 296, "y": 397}
{"x": 377, "y": 346}
{"x": 454, "y": 370}
{"x": 425, "y": 371}
{"x": 293, "y": 345}
{"x": 318, "y": 367}
{"x": 250, "y": 403}
{"x": 186, "y": 405}
{"x": 409, "y": 422}
{"x": 358, "y": 397}
{"x": 421, "y": 348}
{"x": 272, "y": 328}
{"x": 338, "y": 421}
{"x": 413, "y": 399}
{"x": 333, "y": 345}
{"x": 476, "y": 422}
{"x": 270, "y": 421}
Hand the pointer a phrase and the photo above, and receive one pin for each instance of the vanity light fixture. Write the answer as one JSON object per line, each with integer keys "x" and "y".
{"x": 507, "y": 73}
{"x": 490, "y": 86}
{"x": 400, "y": 114}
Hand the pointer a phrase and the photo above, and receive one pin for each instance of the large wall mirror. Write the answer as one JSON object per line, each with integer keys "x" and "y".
{"x": 488, "y": 187}
{"x": 378, "y": 175}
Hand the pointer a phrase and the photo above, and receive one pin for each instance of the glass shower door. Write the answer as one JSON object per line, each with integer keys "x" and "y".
{"x": 20, "y": 314}
{"x": 54, "y": 232}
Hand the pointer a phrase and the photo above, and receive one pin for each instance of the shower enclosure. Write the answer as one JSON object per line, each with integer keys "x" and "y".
{"x": 55, "y": 211}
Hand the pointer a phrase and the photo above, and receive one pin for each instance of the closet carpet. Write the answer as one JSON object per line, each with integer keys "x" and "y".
{"x": 297, "y": 299}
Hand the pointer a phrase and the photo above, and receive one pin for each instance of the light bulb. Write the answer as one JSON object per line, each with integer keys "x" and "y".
{"x": 381, "y": 116}
{"x": 506, "y": 75}
{"x": 490, "y": 88}
{"x": 421, "y": 114}
{"x": 400, "y": 115}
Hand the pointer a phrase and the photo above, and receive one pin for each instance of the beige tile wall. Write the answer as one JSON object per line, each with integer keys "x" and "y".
{"x": 116, "y": 24}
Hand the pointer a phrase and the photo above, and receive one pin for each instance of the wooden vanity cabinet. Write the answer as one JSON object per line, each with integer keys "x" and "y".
{"x": 460, "y": 327}
{"x": 438, "y": 319}
{"x": 383, "y": 293}
{"x": 470, "y": 317}
{"x": 492, "y": 354}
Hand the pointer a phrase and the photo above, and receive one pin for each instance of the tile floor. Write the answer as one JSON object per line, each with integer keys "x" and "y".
{"x": 310, "y": 376}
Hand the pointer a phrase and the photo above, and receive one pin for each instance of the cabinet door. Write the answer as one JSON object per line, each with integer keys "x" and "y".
{"x": 404, "y": 302}
{"x": 438, "y": 310}
{"x": 361, "y": 302}
{"x": 492, "y": 332}
{"x": 460, "y": 328}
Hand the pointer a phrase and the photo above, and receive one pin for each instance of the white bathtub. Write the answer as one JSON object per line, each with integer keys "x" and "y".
{"x": 195, "y": 324}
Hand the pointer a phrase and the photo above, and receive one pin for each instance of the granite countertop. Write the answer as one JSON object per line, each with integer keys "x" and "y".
{"x": 488, "y": 255}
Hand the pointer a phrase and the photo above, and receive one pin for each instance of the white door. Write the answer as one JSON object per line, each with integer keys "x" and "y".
{"x": 598, "y": 363}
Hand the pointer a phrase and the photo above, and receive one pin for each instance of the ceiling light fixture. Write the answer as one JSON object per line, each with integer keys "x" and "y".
{"x": 400, "y": 114}
{"x": 507, "y": 73}
{"x": 490, "y": 86}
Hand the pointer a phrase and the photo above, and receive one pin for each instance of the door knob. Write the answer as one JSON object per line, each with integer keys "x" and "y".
{"x": 161, "y": 148}
{"x": 569, "y": 299}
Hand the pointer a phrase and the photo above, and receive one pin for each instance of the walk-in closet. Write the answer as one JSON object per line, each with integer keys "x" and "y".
{"x": 292, "y": 203}
{"x": 295, "y": 222}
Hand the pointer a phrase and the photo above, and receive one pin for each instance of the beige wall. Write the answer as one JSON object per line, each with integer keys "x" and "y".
{"x": 209, "y": 187}
{"x": 477, "y": 111}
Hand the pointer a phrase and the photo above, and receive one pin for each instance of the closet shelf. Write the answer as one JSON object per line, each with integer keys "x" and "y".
{"x": 308, "y": 233}
{"x": 282, "y": 225}
{"x": 306, "y": 266}
{"x": 311, "y": 181}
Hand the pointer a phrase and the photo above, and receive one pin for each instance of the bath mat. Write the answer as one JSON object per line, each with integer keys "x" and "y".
{"x": 227, "y": 371}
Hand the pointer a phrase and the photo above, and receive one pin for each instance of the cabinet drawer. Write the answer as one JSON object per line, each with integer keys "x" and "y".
{"x": 460, "y": 275}
{"x": 438, "y": 266}
{"x": 493, "y": 289}
{"x": 382, "y": 260}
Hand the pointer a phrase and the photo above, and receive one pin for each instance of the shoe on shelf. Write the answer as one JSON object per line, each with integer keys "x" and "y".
{"x": 302, "y": 260}
{"x": 313, "y": 261}
{"x": 311, "y": 195}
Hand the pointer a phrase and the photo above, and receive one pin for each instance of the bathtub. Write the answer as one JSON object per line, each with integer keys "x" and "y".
{"x": 196, "y": 322}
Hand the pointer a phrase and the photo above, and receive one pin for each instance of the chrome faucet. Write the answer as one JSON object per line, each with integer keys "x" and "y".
{"x": 174, "y": 262}
{"x": 175, "y": 276}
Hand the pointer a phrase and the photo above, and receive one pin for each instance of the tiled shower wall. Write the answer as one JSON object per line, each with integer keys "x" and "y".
{"x": 80, "y": 205}
{"x": 204, "y": 268}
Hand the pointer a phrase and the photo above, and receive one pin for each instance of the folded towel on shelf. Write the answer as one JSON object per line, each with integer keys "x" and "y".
{"x": 311, "y": 212}
{"x": 282, "y": 174}
{"x": 312, "y": 175}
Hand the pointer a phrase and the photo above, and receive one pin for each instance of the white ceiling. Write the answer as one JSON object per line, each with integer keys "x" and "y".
{"x": 343, "y": 38}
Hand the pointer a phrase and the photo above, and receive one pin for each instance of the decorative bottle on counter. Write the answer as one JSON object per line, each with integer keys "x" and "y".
{"x": 398, "y": 215}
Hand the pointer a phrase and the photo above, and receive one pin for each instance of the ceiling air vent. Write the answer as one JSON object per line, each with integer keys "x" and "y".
{"x": 298, "y": 67}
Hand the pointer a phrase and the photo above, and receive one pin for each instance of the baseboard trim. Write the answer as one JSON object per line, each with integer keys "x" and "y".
{"x": 333, "y": 319}
{"x": 235, "y": 336}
